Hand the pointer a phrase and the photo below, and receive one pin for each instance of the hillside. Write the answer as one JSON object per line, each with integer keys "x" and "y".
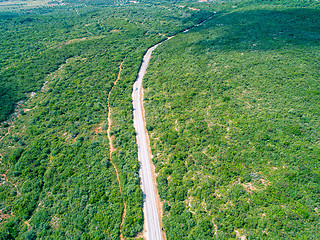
{"x": 232, "y": 112}
{"x": 59, "y": 65}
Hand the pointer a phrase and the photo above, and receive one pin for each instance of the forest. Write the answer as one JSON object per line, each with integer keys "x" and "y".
{"x": 232, "y": 112}
{"x": 58, "y": 66}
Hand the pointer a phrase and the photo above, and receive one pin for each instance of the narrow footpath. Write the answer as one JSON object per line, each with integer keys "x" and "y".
{"x": 112, "y": 149}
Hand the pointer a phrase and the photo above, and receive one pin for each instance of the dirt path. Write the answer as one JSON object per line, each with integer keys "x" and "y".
{"x": 6, "y": 132}
{"x": 4, "y": 216}
{"x": 6, "y": 180}
{"x": 112, "y": 149}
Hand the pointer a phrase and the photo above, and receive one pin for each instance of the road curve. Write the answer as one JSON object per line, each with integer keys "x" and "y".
{"x": 151, "y": 215}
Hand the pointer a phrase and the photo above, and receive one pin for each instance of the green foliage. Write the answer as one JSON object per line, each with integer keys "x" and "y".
{"x": 232, "y": 111}
{"x": 66, "y": 186}
{"x": 39, "y": 43}
{"x": 58, "y": 181}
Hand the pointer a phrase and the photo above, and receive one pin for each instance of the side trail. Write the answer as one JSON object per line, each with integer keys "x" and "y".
{"x": 152, "y": 206}
{"x": 112, "y": 149}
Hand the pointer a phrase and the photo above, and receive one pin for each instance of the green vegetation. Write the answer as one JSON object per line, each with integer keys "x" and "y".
{"x": 57, "y": 181}
{"x": 16, "y": 5}
{"x": 232, "y": 112}
{"x": 35, "y": 45}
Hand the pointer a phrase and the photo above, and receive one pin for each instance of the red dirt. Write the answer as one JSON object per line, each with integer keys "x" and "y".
{"x": 98, "y": 129}
{"x": 112, "y": 149}
{"x": 3, "y": 216}
{"x": 7, "y": 132}
{"x": 6, "y": 179}
{"x": 28, "y": 224}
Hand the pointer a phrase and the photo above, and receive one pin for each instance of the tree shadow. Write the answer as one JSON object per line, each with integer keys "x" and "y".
{"x": 262, "y": 30}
